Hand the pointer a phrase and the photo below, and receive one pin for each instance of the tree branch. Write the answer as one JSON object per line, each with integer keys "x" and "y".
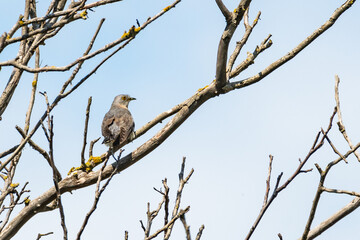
{"x": 273, "y": 66}
{"x": 340, "y": 122}
{"x": 231, "y": 25}
{"x": 87, "y": 113}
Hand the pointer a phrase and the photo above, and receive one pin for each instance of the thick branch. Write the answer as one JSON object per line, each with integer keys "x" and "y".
{"x": 322, "y": 227}
{"x": 231, "y": 25}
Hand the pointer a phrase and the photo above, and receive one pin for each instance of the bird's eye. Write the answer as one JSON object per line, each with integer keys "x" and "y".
{"x": 123, "y": 98}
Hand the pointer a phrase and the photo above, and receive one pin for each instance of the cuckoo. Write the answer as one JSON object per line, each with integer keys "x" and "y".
{"x": 118, "y": 124}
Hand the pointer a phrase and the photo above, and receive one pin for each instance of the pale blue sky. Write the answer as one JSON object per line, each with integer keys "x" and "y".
{"x": 227, "y": 141}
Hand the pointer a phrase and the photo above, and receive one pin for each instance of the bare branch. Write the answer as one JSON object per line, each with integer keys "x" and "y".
{"x": 221, "y": 60}
{"x": 268, "y": 180}
{"x": 251, "y": 57}
{"x": 13, "y": 202}
{"x": 9, "y": 151}
{"x": 39, "y": 149}
{"x": 186, "y": 227}
{"x": 201, "y": 229}
{"x": 241, "y": 43}
{"x": 92, "y": 145}
{"x": 97, "y": 197}
{"x": 43, "y": 235}
{"x": 340, "y": 122}
{"x": 77, "y": 69}
{"x": 85, "y": 130}
{"x": 277, "y": 189}
{"x": 320, "y": 189}
{"x": 182, "y": 183}
{"x": 333, "y": 147}
{"x": 273, "y": 66}
{"x": 351, "y": 193}
{"x": 224, "y": 10}
{"x": 322, "y": 227}
{"x": 181, "y": 212}
{"x": 33, "y": 92}
{"x": 55, "y": 176}
{"x": 130, "y": 35}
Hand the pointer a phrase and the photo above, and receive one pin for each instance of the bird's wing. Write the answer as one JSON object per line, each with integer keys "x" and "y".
{"x": 117, "y": 126}
{"x": 108, "y": 121}
{"x": 123, "y": 125}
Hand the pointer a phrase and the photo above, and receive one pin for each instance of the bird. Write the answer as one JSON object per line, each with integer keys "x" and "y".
{"x": 118, "y": 123}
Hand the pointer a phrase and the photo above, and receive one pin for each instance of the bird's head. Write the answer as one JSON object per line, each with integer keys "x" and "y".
{"x": 123, "y": 100}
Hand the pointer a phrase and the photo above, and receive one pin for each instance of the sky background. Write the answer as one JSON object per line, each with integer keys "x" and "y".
{"x": 227, "y": 141}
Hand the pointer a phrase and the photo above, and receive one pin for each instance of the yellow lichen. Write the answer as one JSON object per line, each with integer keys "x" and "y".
{"x": 255, "y": 21}
{"x": 14, "y": 185}
{"x": 88, "y": 166}
{"x": 27, "y": 201}
{"x": 125, "y": 35}
{"x": 132, "y": 32}
{"x": 21, "y": 20}
{"x": 71, "y": 170}
{"x": 200, "y": 89}
{"x": 7, "y": 36}
{"x": 167, "y": 8}
{"x": 83, "y": 14}
{"x": 96, "y": 160}
{"x": 34, "y": 83}
{"x": 235, "y": 10}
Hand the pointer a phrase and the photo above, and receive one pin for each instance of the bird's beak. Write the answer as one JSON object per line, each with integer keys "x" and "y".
{"x": 131, "y": 98}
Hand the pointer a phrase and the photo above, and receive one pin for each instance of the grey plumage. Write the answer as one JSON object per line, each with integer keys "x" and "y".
{"x": 118, "y": 124}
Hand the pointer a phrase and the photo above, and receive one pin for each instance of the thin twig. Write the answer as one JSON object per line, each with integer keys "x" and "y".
{"x": 287, "y": 57}
{"x": 201, "y": 229}
{"x": 97, "y": 197}
{"x": 268, "y": 180}
{"x": 43, "y": 235}
{"x": 181, "y": 212}
{"x": 340, "y": 121}
{"x": 277, "y": 189}
{"x": 320, "y": 189}
{"x": 351, "y": 193}
{"x": 33, "y": 92}
{"x": 55, "y": 177}
{"x": 265, "y": 44}
{"x": 77, "y": 69}
{"x": 9, "y": 151}
{"x": 92, "y": 146}
{"x": 167, "y": 200}
{"x": 13, "y": 203}
{"x": 39, "y": 149}
{"x": 186, "y": 227}
{"x": 242, "y": 42}
{"x": 182, "y": 183}
{"x": 87, "y": 114}
{"x": 333, "y": 147}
